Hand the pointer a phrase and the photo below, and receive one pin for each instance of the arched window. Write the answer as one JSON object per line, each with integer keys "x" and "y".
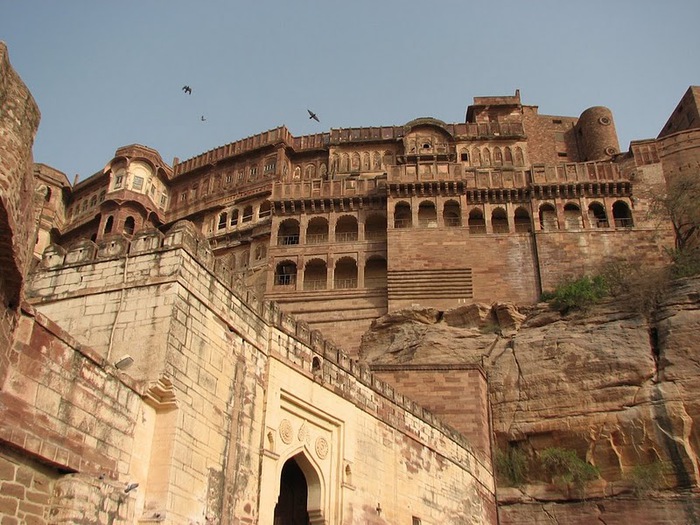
{"x": 476, "y": 221}
{"x": 427, "y": 215}
{"x": 47, "y": 195}
{"x": 346, "y": 229}
{"x": 375, "y": 272}
{"x": 129, "y": 225}
{"x": 315, "y": 275}
{"x": 476, "y": 157}
{"x": 622, "y": 215}
{"x": 286, "y": 274}
{"x": 109, "y": 224}
{"x": 247, "y": 214}
{"x": 497, "y": 156}
{"x": 355, "y": 162}
{"x": 234, "y": 217}
{"x": 375, "y": 227}
{"x": 548, "y": 218}
{"x": 522, "y": 220}
{"x": 464, "y": 156}
{"x": 288, "y": 232}
{"x": 260, "y": 252}
{"x": 499, "y": 221}
{"x": 487, "y": 157}
{"x": 519, "y": 157}
{"x": 265, "y": 210}
{"x": 508, "y": 155}
{"x": 402, "y": 215}
{"x": 245, "y": 259}
{"x": 310, "y": 172}
{"x": 597, "y": 216}
{"x": 222, "y": 221}
{"x": 572, "y": 216}
{"x": 345, "y": 273}
{"x": 317, "y": 231}
{"x": 451, "y": 214}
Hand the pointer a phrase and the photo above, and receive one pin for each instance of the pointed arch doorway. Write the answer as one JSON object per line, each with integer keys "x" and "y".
{"x": 299, "y": 499}
{"x": 291, "y": 504}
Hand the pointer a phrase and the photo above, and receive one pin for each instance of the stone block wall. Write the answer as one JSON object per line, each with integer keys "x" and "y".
{"x": 502, "y": 267}
{"x": 459, "y": 394}
{"x": 341, "y": 315}
{"x": 26, "y": 487}
{"x": 568, "y": 255}
{"x": 19, "y": 119}
{"x": 208, "y": 396}
{"x": 60, "y": 405}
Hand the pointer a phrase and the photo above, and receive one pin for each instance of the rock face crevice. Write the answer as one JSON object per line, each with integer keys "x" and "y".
{"x": 619, "y": 388}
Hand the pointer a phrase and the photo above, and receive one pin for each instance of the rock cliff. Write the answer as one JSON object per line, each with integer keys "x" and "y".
{"x": 619, "y": 388}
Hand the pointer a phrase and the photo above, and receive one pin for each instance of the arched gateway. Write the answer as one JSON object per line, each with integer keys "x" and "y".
{"x": 299, "y": 499}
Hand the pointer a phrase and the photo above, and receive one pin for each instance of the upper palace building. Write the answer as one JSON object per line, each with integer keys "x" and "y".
{"x": 343, "y": 226}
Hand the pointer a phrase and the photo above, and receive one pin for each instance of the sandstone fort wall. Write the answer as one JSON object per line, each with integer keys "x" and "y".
{"x": 208, "y": 382}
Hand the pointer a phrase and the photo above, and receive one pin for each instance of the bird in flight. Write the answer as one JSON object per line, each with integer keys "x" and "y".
{"x": 312, "y": 115}
{"x": 187, "y": 89}
{"x": 203, "y": 119}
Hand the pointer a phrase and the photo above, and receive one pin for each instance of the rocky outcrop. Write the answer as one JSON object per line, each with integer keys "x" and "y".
{"x": 620, "y": 388}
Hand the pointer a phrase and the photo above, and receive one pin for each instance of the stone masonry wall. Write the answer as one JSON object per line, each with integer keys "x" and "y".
{"x": 502, "y": 266}
{"x": 19, "y": 118}
{"x": 569, "y": 255}
{"x": 60, "y": 405}
{"x": 209, "y": 365}
{"x": 458, "y": 394}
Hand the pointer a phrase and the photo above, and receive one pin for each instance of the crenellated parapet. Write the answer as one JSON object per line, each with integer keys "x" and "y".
{"x": 267, "y": 138}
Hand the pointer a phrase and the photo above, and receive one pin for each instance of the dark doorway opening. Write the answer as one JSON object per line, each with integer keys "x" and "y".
{"x": 291, "y": 504}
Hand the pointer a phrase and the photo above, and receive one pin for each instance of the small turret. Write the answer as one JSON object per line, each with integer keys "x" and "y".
{"x": 596, "y": 134}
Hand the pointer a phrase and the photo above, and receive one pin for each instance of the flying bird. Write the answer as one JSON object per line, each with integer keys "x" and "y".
{"x": 187, "y": 89}
{"x": 203, "y": 119}
{"x": 130, "y": 487}
{"x": 312, "y": 115}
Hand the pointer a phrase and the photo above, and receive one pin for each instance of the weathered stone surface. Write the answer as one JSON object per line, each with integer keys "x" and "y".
{"x": 618, "y": 388}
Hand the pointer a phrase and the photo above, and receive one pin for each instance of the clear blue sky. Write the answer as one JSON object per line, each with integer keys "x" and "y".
{"x": 109, "y": 73}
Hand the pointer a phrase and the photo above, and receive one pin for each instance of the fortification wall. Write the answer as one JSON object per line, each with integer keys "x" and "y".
{"x": 447, "y": 390}
{"x": 680, "y": 153}
{"x": 64, "y": 411}
{"x": 19, "y": 119}
{"x": 493, "y": 267}
{"x": 212, "y": 380}
{"x": 341, "y": 315}
{"x": 569, "y": 255}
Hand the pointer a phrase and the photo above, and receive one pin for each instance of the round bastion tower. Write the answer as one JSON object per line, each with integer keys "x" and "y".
{"x": 596, "y": 134}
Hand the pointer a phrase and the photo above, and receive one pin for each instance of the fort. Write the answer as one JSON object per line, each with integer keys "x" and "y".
{"x": 195, "y": 328}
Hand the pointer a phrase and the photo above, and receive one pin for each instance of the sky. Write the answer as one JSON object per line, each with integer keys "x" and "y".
{"x": 106, "y": 74}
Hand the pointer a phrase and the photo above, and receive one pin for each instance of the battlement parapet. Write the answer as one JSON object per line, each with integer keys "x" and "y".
{"x": 323, "y": 189}
{"x": 267, "y": 138}
{"x": 111, "y": 246}
{"x": 309, "y": 142}
{"x": 81, "y": 251}
{"x": 184, "y": 233}
{"x": 595, "y": 171}
{"x": 145, "y": 241}
{"x": 459, "y": 131}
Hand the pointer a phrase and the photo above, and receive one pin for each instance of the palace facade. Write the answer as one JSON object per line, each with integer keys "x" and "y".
{"x": 343, "y": 226}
